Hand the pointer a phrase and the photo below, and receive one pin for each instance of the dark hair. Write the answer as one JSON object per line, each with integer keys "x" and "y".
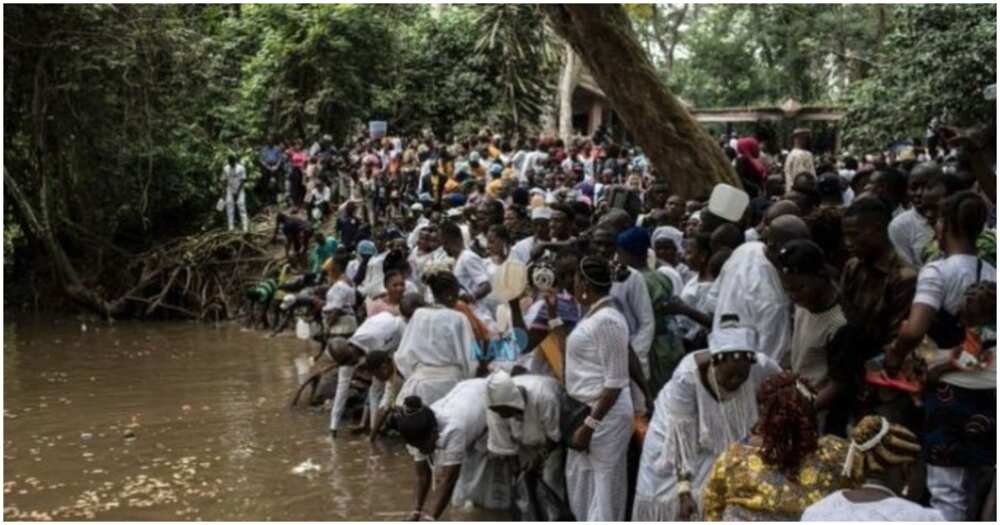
{"x": 728, "y": 235}
{"x": 414, "y": 421}
{"x": 450, "y": 230}
{"x": 596, "y": 271}
{"x": 393, "y": 272}
{"x": 377, "y": 358}
{"x": 786, "y": 423}
{"x": 826, "y": 228}
{"x": 951, "y": 183}
{"x": 964, "y": 213}
{"x": 441, "y": 283}
{"x": 340, "y": 258}
{"x": 870, "y": 207}
{"x": 703, "y": 243}
{"x": 801, "y": 257}
{"x": 718, "y": 260}
{"x": 501, "y": 232}
{"x": 851, "y": 163}
{"x": 895, "y": 182}
{"x": 395, "y": 262}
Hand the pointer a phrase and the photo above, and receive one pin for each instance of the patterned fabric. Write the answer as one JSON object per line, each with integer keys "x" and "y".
{"x": 668, "y": 346}
{"x": 877, "y": 296}
{"x": 961, "y": 426}
{"x": 743, "y": 487}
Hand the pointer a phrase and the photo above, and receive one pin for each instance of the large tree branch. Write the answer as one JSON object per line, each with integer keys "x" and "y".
{"x": 680, "y": 150}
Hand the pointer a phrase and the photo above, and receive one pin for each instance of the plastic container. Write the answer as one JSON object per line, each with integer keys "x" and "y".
{"x": 377, "y": 128}
{"x": 302, "y": 329}
{"x": 728, "y": 202}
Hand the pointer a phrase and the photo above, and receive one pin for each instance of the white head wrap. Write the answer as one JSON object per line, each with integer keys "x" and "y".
{"x": 380, "y": 332}
{"x": 860, "y": 448}
{"x": 732, "y": 338}
{"x": 669, "y": 232}
{"x": 541, "y": 213}
{"x": 501, "y": 391}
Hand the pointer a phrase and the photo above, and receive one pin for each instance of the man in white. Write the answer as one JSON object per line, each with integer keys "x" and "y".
{"x": 540, "y": 219}
{"x": 523, "y": 421}
{"x": 909, "y": 231}
{"x": 750, "y": 287}
{"x": 234, "y": 175}
{"x": 800, "y": 159}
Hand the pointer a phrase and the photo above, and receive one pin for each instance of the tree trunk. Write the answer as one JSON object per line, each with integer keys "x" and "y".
{"x": 679, "y": 149}
{"x": 568, "y": 80}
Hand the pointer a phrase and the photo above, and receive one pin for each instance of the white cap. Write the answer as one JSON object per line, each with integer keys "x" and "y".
{"x": 731, "y": 336}
{"x": 669, "y": 232}
{"x": 454, "y": 212}
{"x": 416, "y": 206}
{"x": 541, "y": 213}
{"x": 501, "y": 391}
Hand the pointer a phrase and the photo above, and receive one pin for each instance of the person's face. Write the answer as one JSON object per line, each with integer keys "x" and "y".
{"x": 915, "y": 190}
{"x": 560, "y": 225}
{"x": 394, "y": 288}
{"x": 603, "y": 244}
{"x": 732, "y": 373}
{"x": 930, "y": 199}
{"x": 666, "y": 251}
{"x": 804, "y": 290}
{"x": 862, "y": 240}
{"x": 506, "y": 412}
{"x": 424, "y": 242}
{"x": 495, "y": 245}
{"x": 510, "y": 219}
{"x": 691, "y": 227}
{"x": 675, "y": 209}
{"x": 482, "y": 217}
{"x": 693, "y": 256}
{"x": 541, "y": 227}
{"x": 606, "y": 177}
{"x": 383, "y": 372}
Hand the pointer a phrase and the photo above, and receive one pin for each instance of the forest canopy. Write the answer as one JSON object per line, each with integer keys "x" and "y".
{"x": 118, "y": 117}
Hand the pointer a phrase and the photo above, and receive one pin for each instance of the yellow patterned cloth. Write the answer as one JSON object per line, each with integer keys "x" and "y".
{"x": 742, "y": 487}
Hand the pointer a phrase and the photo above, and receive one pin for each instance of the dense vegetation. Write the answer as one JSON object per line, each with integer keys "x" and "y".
{"x": 118, "y": 116}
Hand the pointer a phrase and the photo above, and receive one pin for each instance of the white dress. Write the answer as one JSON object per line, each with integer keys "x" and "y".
{"x": 750, "y": 287}
{"x": 836, "y": 507}
{"x": 436, "y": 352}
{"x": 690, "y": 428}
{"x": 462, "y": 429}
{"x": 634, "y": 302}
{"x": 596, "y": 480}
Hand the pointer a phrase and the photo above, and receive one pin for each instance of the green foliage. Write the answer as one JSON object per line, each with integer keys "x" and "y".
{"x": 934, "y": 63}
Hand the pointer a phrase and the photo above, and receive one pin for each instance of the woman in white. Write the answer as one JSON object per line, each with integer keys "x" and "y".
{"x": 597, "y": 376}
{"x": 880, "y": 452}
{"x": 438, "y": 345}
{"x": 709, "y": 403}
{"x": 451, "y": 434}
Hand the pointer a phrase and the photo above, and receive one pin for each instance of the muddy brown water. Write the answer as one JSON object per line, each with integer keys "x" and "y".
{"x": 214, "y": 438}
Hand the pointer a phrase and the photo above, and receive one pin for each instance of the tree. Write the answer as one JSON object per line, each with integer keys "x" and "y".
{"x": 935, "y": 62}
{"x": 678, "y": 147}
{"x": 568, "y": 80}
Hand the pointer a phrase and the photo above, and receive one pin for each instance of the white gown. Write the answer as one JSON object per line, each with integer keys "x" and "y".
{"x": 690, "y": 426}
{"x": 750, "y": 287}
{"x": 436, "y": 352}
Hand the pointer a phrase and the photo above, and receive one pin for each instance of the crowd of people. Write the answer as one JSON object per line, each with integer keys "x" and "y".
{"x": 551, "y": 329}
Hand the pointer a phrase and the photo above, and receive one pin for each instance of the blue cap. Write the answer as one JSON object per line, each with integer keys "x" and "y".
{"x": 366, "y": 247}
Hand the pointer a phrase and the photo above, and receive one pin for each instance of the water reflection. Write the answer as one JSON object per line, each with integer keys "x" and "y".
{"x": 213, "y": 435}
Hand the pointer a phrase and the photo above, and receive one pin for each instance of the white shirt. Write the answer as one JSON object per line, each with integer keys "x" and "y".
{"x": 436, "y": 337}
{"x": 340, "y": 296}
{"x": 694, "y": 294}
{"x": 461, "y": 421}
{"x": 539, "y": 424}
{"x": 812, "y": 334}
{"x": 233, "y": 176}
{"x": 750, "y": 287}
{"x": 836, "y": 507}
{"x": 374, "y": 283}
{"x": 471, "y": 271}
{"x": 909, "y": 234}
{"x": 941, "y": 283}
{"x": 633, "y": 299}
{"x": 521, "y": 251}
{"x": 380, "y": 332}
{"x": 676, "y": 280}
{"x": 596, "y": 356}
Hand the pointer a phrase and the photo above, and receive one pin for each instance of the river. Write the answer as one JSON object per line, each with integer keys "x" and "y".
{"x": 180, "y": 421}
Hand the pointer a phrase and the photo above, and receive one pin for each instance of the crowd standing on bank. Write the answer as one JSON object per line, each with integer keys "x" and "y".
{"x": 551, "y": 329}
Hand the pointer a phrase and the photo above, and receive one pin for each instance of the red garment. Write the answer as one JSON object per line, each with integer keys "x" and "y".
{"x": 299, "y": 158}
{"x": 749, "y": 148}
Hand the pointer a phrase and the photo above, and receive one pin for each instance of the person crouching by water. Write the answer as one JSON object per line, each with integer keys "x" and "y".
{"x": 783, "y": 466}
{"x": 448, "y": 435}
{"x": 523, "y": 421}
{"x": 708, "y": 404}
{"x": 881, "y": 453}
